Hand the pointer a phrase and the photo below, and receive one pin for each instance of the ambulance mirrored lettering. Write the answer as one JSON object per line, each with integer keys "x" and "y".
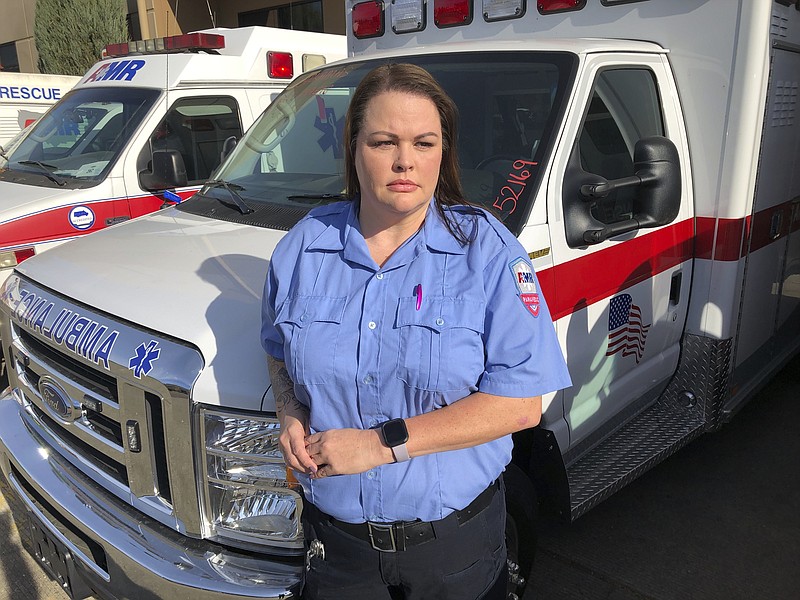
{"x": 78, "y": 334}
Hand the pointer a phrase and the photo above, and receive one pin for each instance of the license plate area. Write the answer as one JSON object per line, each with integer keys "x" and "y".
{"x": 57, "y": 561}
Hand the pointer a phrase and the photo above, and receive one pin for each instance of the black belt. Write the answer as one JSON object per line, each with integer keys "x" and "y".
{"x": 392, "y": 537}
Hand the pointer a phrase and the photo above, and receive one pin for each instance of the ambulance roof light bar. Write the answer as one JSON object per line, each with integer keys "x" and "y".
{"x": 190, "y": 42}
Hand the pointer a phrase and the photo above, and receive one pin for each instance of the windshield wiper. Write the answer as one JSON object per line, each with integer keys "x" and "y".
{"x": 46, "y": 169}
{"x": 302, "y": 197}
{"x": 231, "y": 189}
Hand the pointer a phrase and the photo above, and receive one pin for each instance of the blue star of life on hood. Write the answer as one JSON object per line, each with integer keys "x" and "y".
{"x": 142, "y": 363}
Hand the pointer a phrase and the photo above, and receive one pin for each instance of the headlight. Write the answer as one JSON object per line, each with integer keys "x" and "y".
{"x": 247, "y": 497}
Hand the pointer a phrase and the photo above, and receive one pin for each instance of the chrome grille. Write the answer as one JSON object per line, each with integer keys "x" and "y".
{"x": 126, "y": 429}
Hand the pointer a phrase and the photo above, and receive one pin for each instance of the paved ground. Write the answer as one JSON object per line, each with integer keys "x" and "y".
{"x": 20, "y": 576}
{"x": 719, "y": 520}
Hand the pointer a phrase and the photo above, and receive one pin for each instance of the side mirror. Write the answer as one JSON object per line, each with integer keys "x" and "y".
{"x": 656, "y": 202}
{"x": 168, "y": 171}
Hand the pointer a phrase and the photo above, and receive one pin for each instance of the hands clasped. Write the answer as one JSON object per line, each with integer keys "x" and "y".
{"x": 332, "y": 452}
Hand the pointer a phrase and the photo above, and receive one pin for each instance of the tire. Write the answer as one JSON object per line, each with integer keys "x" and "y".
{"x": 522, "y": 511}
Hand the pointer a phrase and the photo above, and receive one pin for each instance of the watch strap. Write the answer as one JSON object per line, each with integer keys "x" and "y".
{"x": 400, "y": 453}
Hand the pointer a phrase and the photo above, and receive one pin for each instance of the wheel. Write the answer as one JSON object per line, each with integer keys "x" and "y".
{"x": 522, "y": 511}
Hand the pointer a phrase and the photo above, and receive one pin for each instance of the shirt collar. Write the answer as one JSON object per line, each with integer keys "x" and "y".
{"x": 332, "y": 237}
{"x": 435, "y": 234}
{"x": 338, "y": 235}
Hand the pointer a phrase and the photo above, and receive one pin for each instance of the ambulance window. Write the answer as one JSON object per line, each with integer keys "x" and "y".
{"x": 197, "y": 128}
{"x": 81, "y": 137}
{"x": 624, "y": 108}
{"x": 292, "y": 158}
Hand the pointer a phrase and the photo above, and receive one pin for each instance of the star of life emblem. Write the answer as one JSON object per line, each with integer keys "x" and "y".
{"x": 142, "y": 363}
{"x": 525, "y": 281}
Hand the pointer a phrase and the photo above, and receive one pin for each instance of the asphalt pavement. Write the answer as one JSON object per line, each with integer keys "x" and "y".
{"x": 718, "y": 520}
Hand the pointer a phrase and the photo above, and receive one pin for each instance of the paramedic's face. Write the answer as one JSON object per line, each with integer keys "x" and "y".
{"x": 397, "y": 159}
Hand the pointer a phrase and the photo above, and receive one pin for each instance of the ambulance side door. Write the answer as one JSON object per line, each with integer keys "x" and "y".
{"x": 621, "y": 298}
{"x": 195, "y": 126}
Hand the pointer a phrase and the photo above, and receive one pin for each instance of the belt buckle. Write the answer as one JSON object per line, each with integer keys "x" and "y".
{"x": 378, "y": 537}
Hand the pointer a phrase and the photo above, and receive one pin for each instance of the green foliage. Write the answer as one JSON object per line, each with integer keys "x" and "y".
{"x": 70, "y": 34}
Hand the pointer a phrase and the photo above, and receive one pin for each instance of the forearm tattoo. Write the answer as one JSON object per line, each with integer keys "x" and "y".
{"x": 283, "y": 389}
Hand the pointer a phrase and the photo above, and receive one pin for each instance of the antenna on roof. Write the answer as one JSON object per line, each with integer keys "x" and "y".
{"x": 211, "y": 14}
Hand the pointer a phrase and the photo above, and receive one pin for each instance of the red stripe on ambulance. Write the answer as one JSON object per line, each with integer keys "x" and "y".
{"x": 54, "y": 224}
{"x": 619, "y": 267}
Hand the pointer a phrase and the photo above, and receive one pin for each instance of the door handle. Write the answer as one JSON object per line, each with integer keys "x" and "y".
{"x": 675, "y": 288}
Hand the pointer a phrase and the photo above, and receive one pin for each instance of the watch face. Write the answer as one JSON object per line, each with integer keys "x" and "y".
{"x": 395, "y": 432}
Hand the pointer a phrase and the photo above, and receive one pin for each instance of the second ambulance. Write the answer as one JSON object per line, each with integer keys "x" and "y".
{"x": 89, "y": 162}
{"x": 647, "y": 155}
{"x": 24, "y": 97}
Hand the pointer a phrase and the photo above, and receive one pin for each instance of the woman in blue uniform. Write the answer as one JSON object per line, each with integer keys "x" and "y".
{"x": 406, "y": 340}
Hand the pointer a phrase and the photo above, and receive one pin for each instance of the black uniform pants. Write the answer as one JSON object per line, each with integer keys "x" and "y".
{"x": 465, "y": 561}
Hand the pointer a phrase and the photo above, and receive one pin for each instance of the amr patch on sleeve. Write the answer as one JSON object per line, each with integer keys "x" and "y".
{"x": 526, "y": 284}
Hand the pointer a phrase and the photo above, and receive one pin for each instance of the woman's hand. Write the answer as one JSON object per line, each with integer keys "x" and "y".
{"x": 293, "y": 417}
{"x": 347, "y": 451}
{"x": 294, "y": 429}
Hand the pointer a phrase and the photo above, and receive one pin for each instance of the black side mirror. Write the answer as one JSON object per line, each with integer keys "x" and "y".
{"x": 168, "y": 171}
{"x": 657, "y": 200}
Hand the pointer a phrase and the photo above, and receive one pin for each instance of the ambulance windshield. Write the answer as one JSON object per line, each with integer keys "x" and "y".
{"x": 291, "y": 159}
{"x": 75, "y": 144}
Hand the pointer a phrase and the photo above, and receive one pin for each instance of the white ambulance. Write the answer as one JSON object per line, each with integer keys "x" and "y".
{"x": 646, "y": 153}
{"x": 153, "y": 117}
{"x": 24, "y": 97}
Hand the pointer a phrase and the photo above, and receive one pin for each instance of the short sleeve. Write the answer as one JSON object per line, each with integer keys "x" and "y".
{"x": 271, "y": 339}
{"x": 523, "y": 356}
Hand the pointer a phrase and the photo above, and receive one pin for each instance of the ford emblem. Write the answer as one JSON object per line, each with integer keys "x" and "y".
{"x": 56, "y": 400}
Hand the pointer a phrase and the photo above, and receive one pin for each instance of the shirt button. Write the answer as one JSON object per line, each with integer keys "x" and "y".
{"x": 372, "y": 325}
{"x": 373, "y": 423}
{"x": 373, "y": 518}
{"x": 440, "y": 321}
{"x": 370, "y": 474}
{"x": 379, "y": 276}
{"x": 368, "y": 379}
{"x": 303, "y": 317}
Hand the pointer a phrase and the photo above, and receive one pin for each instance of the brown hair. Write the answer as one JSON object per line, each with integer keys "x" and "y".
{"x": 409, "y": 79}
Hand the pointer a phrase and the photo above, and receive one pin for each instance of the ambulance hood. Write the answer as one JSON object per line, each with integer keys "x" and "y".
{"x": 18, "y": 200}
{"x": 195, "y": 279}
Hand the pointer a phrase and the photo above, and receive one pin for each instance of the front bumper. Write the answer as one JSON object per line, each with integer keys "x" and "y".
{"x": 103, "y": 547}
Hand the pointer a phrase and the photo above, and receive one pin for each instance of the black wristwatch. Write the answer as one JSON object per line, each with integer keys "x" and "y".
{"x": 395, "y": 435}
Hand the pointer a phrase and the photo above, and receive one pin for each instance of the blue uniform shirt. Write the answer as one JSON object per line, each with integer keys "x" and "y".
{"x": 361, "y": 349}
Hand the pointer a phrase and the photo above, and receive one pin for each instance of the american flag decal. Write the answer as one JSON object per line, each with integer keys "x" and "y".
{"x": 626, "y": 333}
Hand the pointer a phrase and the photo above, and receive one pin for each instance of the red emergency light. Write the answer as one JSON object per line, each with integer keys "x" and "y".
{"x": 190, "y": 42}
{"x": 368, "y": 19}
{"x": 450, "y": 13}
{"x": 280, "y": 65}
{"x": 555, "y": 6}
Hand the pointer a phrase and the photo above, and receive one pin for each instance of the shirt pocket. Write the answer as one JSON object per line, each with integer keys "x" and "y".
{"x": 441, "y": 343}
{"x": 311, "y": 326}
